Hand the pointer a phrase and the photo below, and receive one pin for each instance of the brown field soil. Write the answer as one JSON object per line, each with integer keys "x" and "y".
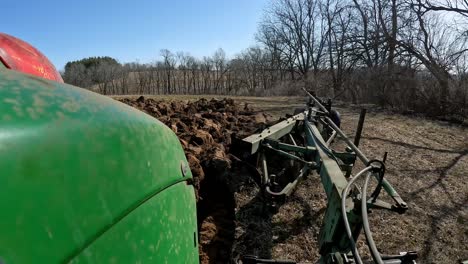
{"x": 427, "y": 164}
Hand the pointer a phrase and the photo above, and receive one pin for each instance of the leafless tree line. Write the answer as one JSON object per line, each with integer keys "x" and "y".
{"x": 248, "y": 73}
{"x": 405, "y": 54}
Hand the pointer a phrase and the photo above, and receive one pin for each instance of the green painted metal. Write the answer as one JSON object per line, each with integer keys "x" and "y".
{"x": 332, "y": 235}
{"x": 316, "y": 126}
{"x": 308, "y": 150}
{"x": 159, "y": 231}
{"x": 385, "y": 184}
{"x": 274, "y": 132}
{"x": 73, "y": 164}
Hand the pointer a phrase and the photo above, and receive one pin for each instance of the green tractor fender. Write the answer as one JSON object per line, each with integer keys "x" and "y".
{"x": 86, "y": 179}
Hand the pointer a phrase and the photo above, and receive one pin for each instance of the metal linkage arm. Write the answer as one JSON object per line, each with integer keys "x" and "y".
{"x": 385, "y": 184}
{"x": 308, "y": 150}
{"x": 317, "y": 102}
{"x": 332, "y": 235}
{"x": 274, "y": 132}
{"x": 289, "y": 155}
{"x": 347, "y": 208}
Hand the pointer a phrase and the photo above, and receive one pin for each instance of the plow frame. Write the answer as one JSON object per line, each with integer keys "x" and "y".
{"x": 318, "y": 130}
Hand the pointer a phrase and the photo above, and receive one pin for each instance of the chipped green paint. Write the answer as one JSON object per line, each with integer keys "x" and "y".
{"x": 159, "y": 231}
{"x": 73, "y": 164}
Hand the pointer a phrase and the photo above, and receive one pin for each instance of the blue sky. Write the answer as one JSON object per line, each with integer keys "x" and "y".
{"x": 131, "y": 30}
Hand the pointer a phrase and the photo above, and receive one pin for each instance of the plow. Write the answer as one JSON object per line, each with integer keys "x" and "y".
{"x": 304, "y": 141}
{"x": 90, "y": 180}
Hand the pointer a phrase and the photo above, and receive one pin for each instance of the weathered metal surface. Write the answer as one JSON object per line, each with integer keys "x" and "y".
{"x": 362, "y": 117}
{"x": 73, "y": 164}
{"x": 317, "y": 102}
{"x": 290, "y": 187}
{"x": 386, "y": 185}
{"x": 308, "y": 150}
{"x": 342, "y": 221}
{"x": 289, "y": 155}
{"x": 274, "y": 132}
{"x": 162, "y": 230}
{"x": 334, "y": 182}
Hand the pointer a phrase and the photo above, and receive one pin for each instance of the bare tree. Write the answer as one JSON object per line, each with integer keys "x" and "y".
{"x": 219, "y": 64}
{"x": 184, "y": 66}
{"x": 458, "y": 6}
{"x": 299, "y": 28}
{"x": 123, "y": 79}
{"x": 169, "y": 65}
{"x": 206, "y": 68}
{"x": 338, "y": 16}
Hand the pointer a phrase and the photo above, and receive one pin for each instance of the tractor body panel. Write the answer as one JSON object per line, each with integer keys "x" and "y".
{"x": 73, "y": 164}
{"x": 159, "y": 225}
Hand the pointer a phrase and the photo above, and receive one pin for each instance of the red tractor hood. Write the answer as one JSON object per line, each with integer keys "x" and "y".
{"x": 20, "y": 56}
